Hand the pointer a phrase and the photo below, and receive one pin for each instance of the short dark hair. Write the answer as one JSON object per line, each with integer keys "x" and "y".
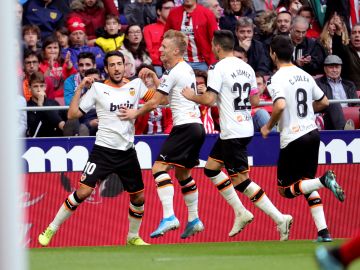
{"x": 27, "y": 53}
{"x": 113, "y": 53}
{"x": 283, "y": 47}
{"x": 225, "y": 39}
{"x": 260, "y": 75}
{"x": 92, "y": 71}
{"x": 50, "y": 40}
{"x": 84, "y": 55}
{"x": 160, "y": 3}
{"x": 240, "y": 49}
{"x": 201, "y": 73}
{"x": 31, "y": 28}
{"x": 36, "y": 77}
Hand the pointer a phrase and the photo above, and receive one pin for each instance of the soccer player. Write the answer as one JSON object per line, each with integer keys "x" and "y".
{"x": 295, "y": 97}
{"x": 114, "y": 150}
{"x": 232, "y": 85}
{"x": 340, "y": 257}
{"x": 181, "y": 148}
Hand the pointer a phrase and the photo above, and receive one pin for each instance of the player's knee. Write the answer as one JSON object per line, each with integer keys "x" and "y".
{"x": 137, "y": 198}
{"x": 83, "y": 192}
{"x": 211, "y": 173}
{"x": 286, "y": 192}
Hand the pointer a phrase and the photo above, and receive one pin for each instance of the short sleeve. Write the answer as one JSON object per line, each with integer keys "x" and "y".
{"x": 214, "y": 82}
{"x": 87, "y": 101}
{"x": 167, "y": 82}
{"x": 275, "y": 89}
{"x": 317, "y": 93}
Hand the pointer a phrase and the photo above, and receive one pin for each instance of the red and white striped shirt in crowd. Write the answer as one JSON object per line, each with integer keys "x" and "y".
{"x": 354, "y": 12}
{"x": 207, "y": 120}
{"x": 192, "y": 53}
{"x": 154, "y": 122}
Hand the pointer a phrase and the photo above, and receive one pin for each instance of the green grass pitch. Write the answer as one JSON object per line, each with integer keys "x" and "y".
{"x": 232, "y": 255}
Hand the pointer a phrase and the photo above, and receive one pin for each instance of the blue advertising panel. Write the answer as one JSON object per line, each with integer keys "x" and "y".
{"x": 71, "y": 153}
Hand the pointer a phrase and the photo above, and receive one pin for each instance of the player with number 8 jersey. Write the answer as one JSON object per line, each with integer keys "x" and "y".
{"x": 296, "y": 97}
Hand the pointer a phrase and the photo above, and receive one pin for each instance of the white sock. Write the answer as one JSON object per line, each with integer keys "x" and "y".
{"x": 64, "y": 212}
{"x": 317, "y": 212}
{"x": 307, "y": 186}
{"x": 165, "y": 193}
{"x": 263, "y": 203}
{"x": 135, "y": 218}
{"x": 228, "y": 192}
{"x": 191, "y": 195}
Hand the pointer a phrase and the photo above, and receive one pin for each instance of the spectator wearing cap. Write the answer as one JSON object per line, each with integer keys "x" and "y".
{"x": 335, "y": 87}
{"x": 350, "y": 53}
{"x": 92, "y": 13}
{"x": 308, "y": 53}
{"x": 78, "y": 43}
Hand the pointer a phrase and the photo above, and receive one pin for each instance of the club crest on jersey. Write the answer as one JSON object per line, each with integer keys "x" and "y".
{"x": 132, "y": 91}
{"x": 83, "y": 177}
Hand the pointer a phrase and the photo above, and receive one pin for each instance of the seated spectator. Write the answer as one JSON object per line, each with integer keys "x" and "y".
{"x": 209, "y": 115}
{"x": 309, "y": 54}
{"x": 78, "y": 43}
{"x": 87, "y": 125}
{"x": 130, "y": 71}
{"x": 261, "y": 115}
{"x": 159, "y": 120}
{"x": 335, "y": 87}
{"x": 314, "y": 28}
{"x": 62, "y": 35}
{"x": 214, "y": 6}
{"x": 42, "y": 123}
{"x": 233, "y": 10}
{"x": 283, "y": 23}
{"x": 141, "y": 12}
{"x": 328, "y": 32}
{"x": 43, "y": 13}
{"x": 111, "y": 39}
{"x": 265, "y": 23}
{"x": 153, "y": 33}
{"x": 240, "y": 52}
{"x": 135, "y": 44}
{"x": 86, "y": 61}
{"x": 30, "y": 64}
{"x": 257, "y": 57}
{"x": 54, "y": 67}
{"x": 31, "y": 37}
{"x": 92, "y": 14}
{"x": 350, "y": 54}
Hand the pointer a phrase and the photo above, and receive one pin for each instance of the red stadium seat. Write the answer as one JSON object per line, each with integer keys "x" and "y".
{"x": 358, "y": 93}
{"x": 352, "y": 113}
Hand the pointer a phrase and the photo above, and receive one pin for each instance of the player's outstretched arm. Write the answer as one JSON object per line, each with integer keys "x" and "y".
{"x": 74, "y": 112}
{"x": 208, "y": 98}
{"x": 278, "y": 108}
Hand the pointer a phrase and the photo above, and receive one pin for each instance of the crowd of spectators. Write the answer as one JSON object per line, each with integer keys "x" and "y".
{"x": 64, "y": 40}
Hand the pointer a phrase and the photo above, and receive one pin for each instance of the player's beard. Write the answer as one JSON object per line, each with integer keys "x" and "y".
{"x": 114, "y": 81}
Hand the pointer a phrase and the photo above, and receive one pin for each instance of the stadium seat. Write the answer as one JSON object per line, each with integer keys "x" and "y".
{"x": 352, "y": 113}
{"x": 358, "y": 93}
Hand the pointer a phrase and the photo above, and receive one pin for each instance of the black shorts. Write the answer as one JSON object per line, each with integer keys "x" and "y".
{"x": 232, "y": 153}
{"x": 104, "y": 161}
{"x": 182, "y": 146}
{"x": 299, "y": 159}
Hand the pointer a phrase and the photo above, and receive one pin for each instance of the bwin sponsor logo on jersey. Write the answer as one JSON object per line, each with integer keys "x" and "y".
{"x": 116, "y": 107}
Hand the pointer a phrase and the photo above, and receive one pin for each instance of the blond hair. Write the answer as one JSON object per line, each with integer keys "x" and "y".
{"x": 326, "y": 39}
{"x": 179, "y": 39}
